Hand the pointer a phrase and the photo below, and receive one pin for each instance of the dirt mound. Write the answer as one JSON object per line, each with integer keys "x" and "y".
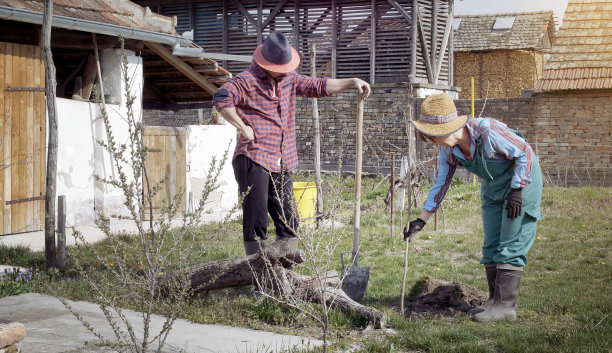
{"x": 440, "y": 298}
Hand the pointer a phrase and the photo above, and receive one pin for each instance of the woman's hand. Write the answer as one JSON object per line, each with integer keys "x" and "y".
{"x": 412, "y": 228}
{"x": 515, "y": 203}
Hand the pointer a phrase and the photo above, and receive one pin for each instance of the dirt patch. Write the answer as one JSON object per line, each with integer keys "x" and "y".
{"x": 440, "y": 298}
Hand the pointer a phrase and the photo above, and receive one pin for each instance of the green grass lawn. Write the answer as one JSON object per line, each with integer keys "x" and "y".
{"x": 565, "y": 300}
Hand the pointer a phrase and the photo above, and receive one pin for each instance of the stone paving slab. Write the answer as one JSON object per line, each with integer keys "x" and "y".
{"x": 52, "y": 328}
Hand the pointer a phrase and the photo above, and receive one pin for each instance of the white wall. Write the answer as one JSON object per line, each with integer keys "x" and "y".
{"x": 204, "y": 142}
{"x": 80, "y": 157}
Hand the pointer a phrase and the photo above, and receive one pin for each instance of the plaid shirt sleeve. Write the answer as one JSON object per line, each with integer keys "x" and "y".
{"x": 312, "y": 87}
{"x": 230, "y": 94}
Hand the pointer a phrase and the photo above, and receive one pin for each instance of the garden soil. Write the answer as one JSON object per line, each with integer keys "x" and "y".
{"x": 440, "y": 298}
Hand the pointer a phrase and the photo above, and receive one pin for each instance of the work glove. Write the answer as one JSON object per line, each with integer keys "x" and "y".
{"x": 515, "y": 203}
{"x": 412, "y": 228}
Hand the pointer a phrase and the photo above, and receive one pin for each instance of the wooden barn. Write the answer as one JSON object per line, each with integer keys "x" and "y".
{"x": 76, "y": 27}
{"x": 379, "y": 41}
{"x": 504, "y": 53}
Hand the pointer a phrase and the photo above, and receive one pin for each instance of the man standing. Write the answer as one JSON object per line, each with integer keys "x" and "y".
{"x": 260, "y": 103}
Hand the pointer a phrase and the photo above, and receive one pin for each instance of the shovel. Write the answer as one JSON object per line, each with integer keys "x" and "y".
{"x": 354, "y": 277}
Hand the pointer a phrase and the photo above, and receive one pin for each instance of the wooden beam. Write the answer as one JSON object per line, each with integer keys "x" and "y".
{"x": 373, "y": 43}
{"x": 424, "y": 49}
{"x": 401, "y": 10}
{"x": 334, "y": 49}
{"x": 449, "y": 26}
{"x": 451, "y": 50}
{"x": 182, "y": 67}
{"x": 296, "y": 24}
{"x": 245, "y": 13}
{"x": 273, "y": 14}
{"x": 259, "y": 28}
{"x": 224, "y": 39}
{"x": 434, "y": 37}
{"x": 413, "y": 44}
{"x": 192, "y": 24}
{"x": 89, "y": 77}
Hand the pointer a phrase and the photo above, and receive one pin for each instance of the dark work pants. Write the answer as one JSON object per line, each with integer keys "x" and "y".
{"x": 270, "y": 192}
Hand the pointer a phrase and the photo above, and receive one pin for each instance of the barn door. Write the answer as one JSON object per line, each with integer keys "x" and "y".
{"x": 22, "y": 138}
{"x": 166, "y": 157}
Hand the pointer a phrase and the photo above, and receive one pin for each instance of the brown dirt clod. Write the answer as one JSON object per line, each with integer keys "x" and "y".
{"x": 440, "y": 298}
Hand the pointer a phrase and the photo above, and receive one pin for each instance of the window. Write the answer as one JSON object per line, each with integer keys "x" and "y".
{"x": 456, "y": 23}
{"x": 503, "y": 24}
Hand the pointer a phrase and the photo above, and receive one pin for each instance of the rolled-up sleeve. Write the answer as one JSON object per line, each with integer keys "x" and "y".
{"x": 230, "y": 94}
{"x": 442, "y": 183}
{"x": 312, "y": 87}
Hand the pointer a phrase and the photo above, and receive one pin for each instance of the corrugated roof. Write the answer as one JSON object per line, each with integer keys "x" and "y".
{"x": 476, "y": 31}
{"x": 581, "y": 57}
{"x": 117, "y": 12}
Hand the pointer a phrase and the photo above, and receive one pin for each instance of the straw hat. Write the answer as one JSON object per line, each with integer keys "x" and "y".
{"x": 439, "y": 116}
{"x": 276, "y": 55}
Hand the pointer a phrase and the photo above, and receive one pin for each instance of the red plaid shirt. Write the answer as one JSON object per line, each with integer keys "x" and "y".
{"x": 272, "y": 118}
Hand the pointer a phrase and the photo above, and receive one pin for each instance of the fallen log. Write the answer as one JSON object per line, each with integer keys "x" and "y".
{"x": 272, "y": 269}
{"x": 312, "y": 290}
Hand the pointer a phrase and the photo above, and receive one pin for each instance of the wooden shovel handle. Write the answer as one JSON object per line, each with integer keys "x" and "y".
{"x": 358, "y": 165}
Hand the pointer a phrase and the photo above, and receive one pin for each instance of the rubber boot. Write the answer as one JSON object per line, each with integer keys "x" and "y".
{"x": 253, "y": 246}
{"x": 506, "y": 293}
{"x": 285, "y": 244}
{"x": 250, "y": 248}
{"x": 491, "y": 270}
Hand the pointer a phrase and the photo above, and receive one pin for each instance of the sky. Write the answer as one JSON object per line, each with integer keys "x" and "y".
{"x": 479, "y": 7}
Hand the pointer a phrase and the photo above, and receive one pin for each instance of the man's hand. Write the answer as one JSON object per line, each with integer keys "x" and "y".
{"x": 363, "y": 88}
{"x": 335, "y": 85}
{"x": 246, "y": 134}
{"x": 515, "y": 203}
{"x": 412, "y": 228}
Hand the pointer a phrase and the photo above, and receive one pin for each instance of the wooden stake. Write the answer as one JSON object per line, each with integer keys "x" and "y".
{"x": 50, "y": 84}
{"x": 409, "y": 178}
{"x": 317, "y": 138}
{"x": 392, "y": 192}
{"x": 61, "y": 231}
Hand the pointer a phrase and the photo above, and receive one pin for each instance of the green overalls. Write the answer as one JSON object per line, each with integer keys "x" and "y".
{"x": 505, "y": 240}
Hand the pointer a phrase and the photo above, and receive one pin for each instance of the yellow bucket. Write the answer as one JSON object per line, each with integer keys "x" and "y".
{"x": 305, "y": 194}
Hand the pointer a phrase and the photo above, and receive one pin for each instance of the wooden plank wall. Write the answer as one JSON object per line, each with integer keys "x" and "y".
{"x": 22, "y": 145}
{"x": 315, "y": 21}
{"x": 167, "y": 156}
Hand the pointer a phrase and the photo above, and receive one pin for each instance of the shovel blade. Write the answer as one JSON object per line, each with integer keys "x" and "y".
{"x": 355, "y": 281}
